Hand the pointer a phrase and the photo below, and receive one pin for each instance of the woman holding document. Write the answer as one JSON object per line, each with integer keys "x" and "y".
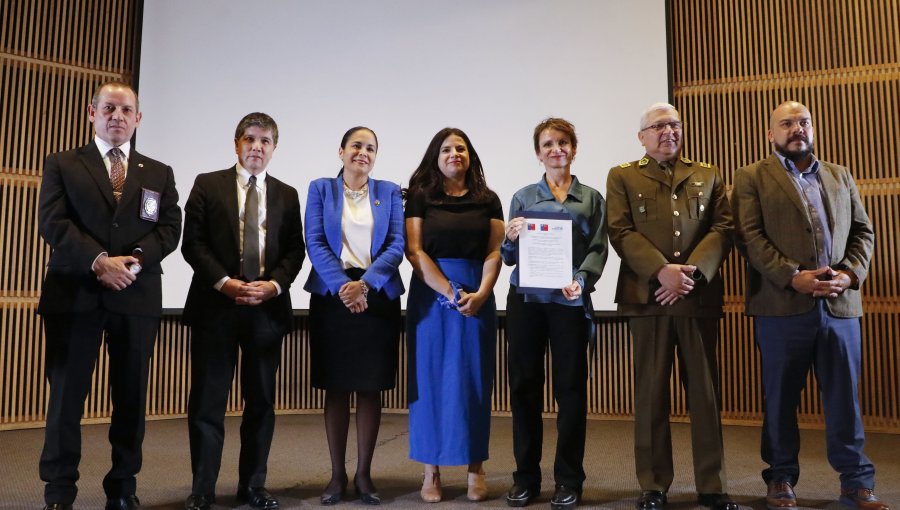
{"x": 454, "y": 226}
{"x": 563, "y": 316}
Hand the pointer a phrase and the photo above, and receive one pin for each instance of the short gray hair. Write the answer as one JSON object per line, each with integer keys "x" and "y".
{"x": 655, "y": 107}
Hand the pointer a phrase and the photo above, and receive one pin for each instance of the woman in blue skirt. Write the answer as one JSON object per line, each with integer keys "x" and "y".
{"x": 454, "y": 227}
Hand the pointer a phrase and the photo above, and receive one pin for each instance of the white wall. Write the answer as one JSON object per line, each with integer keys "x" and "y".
{"x": 405, "y": 68}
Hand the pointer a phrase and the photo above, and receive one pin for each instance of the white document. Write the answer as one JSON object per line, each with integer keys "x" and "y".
{"x": 545, "y": 252}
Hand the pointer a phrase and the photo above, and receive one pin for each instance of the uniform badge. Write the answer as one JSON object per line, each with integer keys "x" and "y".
{"x": 642, "y": 209}
{"x": 705, "y": 165}
{"x": 643, "y": 162}
{"x": 149, "y": 205}
{"x": 625, "y": 165}
{"x": 686, "y": 161}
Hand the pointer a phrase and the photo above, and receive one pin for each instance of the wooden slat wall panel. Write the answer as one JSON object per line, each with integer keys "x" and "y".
{"x": 733, "y": 62}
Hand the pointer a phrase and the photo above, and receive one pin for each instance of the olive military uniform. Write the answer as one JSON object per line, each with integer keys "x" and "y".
{"x": 672, "y": 213}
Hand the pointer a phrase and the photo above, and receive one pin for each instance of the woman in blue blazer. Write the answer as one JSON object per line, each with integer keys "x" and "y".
{"x": 354, "y": 237}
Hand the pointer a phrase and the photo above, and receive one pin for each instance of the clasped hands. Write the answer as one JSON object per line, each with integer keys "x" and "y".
{"x": 676, "y": 282}
{"x": 113, "y": 272}
{"x": 353, "y": 297}
{"x": 249, "y": 293}
{"x": 822, "y": 282}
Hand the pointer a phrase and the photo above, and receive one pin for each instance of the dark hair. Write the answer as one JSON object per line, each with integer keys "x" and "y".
{"x": 429, "y": 181}
{"x": 347, "y": 136}
{"x": 352, "y": 130}
{"x": 115, "y": 84}
{"x": 558, "y": 124}
{"x": 260, "y": 120}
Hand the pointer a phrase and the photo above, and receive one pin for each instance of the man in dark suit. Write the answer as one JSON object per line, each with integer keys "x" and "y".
{"x": 670, "y": 221}
{"x": 243, "y": 237}
{"x": 110, "y": 214}
{"x": 808, "y": 242}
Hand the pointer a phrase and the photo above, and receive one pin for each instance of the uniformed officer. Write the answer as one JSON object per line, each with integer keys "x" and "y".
{"x": 670, "y": 222}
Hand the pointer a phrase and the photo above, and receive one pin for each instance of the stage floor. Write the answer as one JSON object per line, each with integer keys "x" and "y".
{"x": 299, "y": 467}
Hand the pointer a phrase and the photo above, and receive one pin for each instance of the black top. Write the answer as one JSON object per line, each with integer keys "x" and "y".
{"x": 456, "y": 228}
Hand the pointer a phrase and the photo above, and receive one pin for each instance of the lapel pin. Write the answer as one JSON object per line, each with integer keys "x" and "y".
{"x": 377, "y": 202}
{"x": 140, "y": 165}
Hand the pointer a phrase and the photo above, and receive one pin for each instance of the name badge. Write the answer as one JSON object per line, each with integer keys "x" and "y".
{"x": 149, "y": 205}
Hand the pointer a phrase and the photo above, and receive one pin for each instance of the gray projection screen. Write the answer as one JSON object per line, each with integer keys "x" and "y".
{"x": 405, "y": 68}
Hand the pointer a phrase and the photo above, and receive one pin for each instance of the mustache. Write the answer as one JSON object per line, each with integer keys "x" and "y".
{"x": 802, "y": 138}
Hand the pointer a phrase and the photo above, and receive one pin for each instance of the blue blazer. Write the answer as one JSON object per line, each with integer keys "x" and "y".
{"x": 324, "y": 208}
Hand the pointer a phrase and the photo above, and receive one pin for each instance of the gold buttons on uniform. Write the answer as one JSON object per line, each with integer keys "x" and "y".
{"x": 702, "y": 208}
{"x": 677, "y": 233}
{"x": 675, "y": 213}
{"x": 677, "y": 254}
{"x": 674, "y": 197}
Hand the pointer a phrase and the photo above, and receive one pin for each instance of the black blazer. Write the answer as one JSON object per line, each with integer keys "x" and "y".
{"x": 79, "y": 218}
{"x": 211, "y": 245}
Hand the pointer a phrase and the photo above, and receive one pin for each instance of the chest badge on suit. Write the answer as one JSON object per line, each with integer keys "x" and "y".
{"x": 149, "y": 205}
{"x": 377, "y": 202}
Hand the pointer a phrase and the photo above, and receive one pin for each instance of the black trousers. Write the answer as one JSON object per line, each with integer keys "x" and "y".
{"x": 214, "y": 356}
{"x": 529, "y": 327}
{"x": 73, "y": 345}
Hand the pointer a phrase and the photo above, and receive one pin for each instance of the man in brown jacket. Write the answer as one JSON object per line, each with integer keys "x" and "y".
{"x": 807, "y": 240}
{"x": 670, "y": 222}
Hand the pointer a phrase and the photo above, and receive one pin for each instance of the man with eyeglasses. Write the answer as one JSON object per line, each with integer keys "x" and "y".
{"x": 670, "y": 222}
{"x": 807, "y": 240}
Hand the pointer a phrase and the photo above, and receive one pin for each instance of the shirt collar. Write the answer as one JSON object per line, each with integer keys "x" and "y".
{"x": 243, "y": 176}
{"x": 105, "y": 147}
{"x": 790, "y": 167}
{"x": 544, "y": 192}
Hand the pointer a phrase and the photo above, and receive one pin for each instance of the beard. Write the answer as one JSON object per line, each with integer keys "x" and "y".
{"x": 795, "y": 155}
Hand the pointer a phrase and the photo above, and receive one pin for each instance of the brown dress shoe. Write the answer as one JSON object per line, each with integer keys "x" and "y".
{"x": 862, "y": 498}
{"x": 780, "y": 495}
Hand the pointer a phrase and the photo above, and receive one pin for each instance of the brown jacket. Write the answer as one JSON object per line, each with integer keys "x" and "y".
{"x": 774, "y": 234}
{"x": 653, "y": 223}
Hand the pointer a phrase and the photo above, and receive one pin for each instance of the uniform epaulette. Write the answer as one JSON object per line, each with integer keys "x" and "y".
{"x": 643, "y": 162}
{"x": 625, "y": 165}
{"x": 686, "y": 161}
{"x": 705, "y": 165}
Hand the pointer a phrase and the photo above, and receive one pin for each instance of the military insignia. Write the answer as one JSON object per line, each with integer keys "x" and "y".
{"x": 642, "y": 209}
{"x": 643, "y": 162}
{"x": 705, "y": 165}
{"x": 149, "y": 205}
{"x": 685, "y": 160}
{"x": 702, "y": 207}
{"x": 697, "y": 183}
{"x": 625, "y": 165}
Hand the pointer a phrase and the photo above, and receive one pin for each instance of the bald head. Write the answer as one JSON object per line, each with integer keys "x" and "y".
{"x": 791, "y": 132}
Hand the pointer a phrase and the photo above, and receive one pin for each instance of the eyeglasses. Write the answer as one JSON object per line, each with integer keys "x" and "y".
{"x": 660, "y": 127}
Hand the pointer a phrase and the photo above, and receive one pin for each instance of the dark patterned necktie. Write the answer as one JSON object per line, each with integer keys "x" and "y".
{"x": 116, "y": 171}
{"x": 250, "y": 263}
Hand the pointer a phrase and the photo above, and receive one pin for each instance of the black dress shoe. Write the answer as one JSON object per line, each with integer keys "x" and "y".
{"x": 369, "y": 498}
{"x": 58, "y": 506}
{"x": 201, "y": 502}
{"x": 651, "y": 500}
{"x": 328, "y": 499}
{"x": 521, "y": 495}
{"x": 565, "y": 497}
{"x": 717, "y": 501}
{"x": 127, "y": 503}
{"x": 256, "y": 497}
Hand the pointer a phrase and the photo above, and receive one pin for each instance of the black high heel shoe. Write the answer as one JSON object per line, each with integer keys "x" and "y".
{"x": 369, "y": 498}
{"x": 333, "y": 499}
